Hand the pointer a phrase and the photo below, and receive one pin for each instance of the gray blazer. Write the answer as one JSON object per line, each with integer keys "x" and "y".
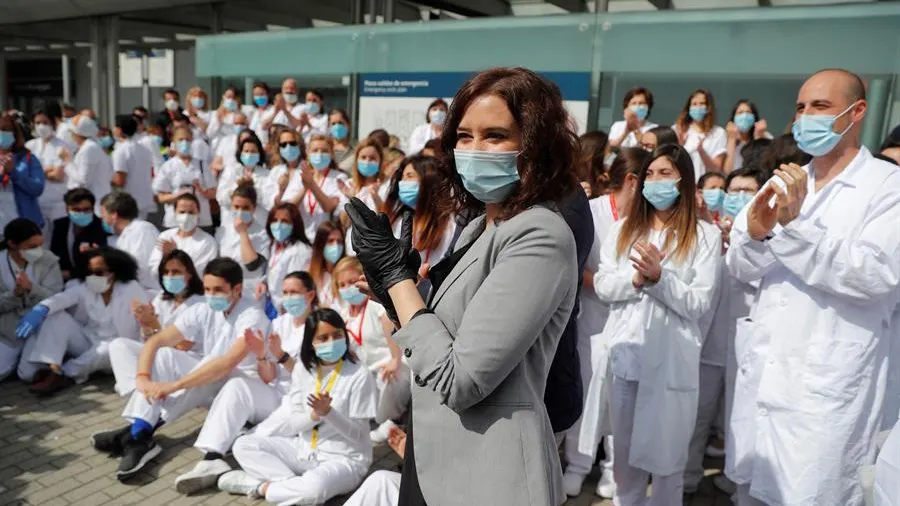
{"x": 47, "y": 281}
{"x": 482, "y": 435}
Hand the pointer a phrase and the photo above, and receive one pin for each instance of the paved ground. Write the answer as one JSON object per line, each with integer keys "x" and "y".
{"x": 46, "y": 459}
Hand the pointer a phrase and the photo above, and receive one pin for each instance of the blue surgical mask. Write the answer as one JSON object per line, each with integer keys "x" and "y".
{"x": 229, "y": 104}
{"x": 332, "y": 351}
{"x": 81, "y": 219}
{"x": 244, "y": 216}
{"x": 641, "y": 111}
{"x": 198, "y": 102}
{"x": 744, "y": 121}
{"x": 438, "y": 116}
{"x": 218, "y": 302}
{"x": 108, "y": 228}
{"x": 661, "y": 194}
{"x": 183, "y": 147}
{"x": 290, "y": 153}
{"x": 261, "y": 100}
{"x": 174, "y": 284}
{"x": 320, "y": 161}
{"x": 7, "y": 139}
{"x": 489, "y": 176}
{"x": 367, "y": 168}
{"x": 735, "y": 202}
{"x": 106, "y": 142}
{"x": 339, "y": 130}
{"x": 250, "y": 159}
{"x": 697, "y": 113}
{"x": 815, "y": 133}
{"x": 352, "y": 295}
{"x": 295, "y": 305}
{"x": 281, "y": 231}
{"x": 713, "y": 198}
{"x": 237, "y": 129}
{"x": 333, "y": 252}
{"x": 313, "y": 108}
{"x": 157, "y": 140}
{"x": 408, "y": 192}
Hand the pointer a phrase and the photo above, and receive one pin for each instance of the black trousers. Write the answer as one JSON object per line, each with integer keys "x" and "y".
{"x": 410, "y": 493}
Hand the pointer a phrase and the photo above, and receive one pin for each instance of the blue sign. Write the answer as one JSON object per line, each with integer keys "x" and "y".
{"x": 574, "y": 86}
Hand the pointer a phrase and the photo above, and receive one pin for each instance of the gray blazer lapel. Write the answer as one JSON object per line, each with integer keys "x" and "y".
{"x": 473, "y": 232}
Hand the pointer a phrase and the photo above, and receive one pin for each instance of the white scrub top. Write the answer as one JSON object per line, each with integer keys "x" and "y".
{"x": 175, "y": 176}
{"x": 310, "y": 209}
{"x": 367, "y": 337}
{"x": 265, "y": 191}
{"x": 280, "y": 118}
{"x": 255, "y": 118}
{"x": 295, "y": 257}
{"x": 136, "y": 161}
{"x": 715, "y": 143}
{"x": 200, "y": 246}
{"x": 618, "y": 128}
{"x": 291, "y": 335}
{"x": 419, "y": 137}
{"x": 104, "y": 322}
{"x": 138, "y": 239}
{"x": 91, "y": 168}
{"x": 146, "y": 140}
{"x": 47, "y": 151}
{"x": 230, "y": 246}
{"x": 318, "y": 124}
{"x": 167, "y": 311}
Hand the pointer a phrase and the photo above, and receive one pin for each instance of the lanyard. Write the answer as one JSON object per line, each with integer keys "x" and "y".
{"x": 427, "y": 256}
{"x": 612, "y": 203}
{"x": 332, "y": 378}
{"x": 276, "y": 255}
{"x": 311, "y": 201}
{"x": 362, "y": 319}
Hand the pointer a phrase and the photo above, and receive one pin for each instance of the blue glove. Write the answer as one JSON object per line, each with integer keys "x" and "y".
{"x": 31, "y": 322}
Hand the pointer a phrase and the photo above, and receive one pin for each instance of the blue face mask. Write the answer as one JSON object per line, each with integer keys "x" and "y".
{"x": 237, "y": 129}
{"x": 438, "y": 116}
{"x": 332, "y": 351}
{"x": 244, "y": 216}
{"x": 108, "y": 228}
{"x": 250, "y": 159}
{"x": 260, "y": 100}
{"x": 408, "y": 191}
{"x": 713, "y": 198}
{"x": 320, "y": 161}
{"x": 735, "y": 202}
{"x": 174, "y": 284}
{"x": 489, "y": 176}
{"x": 81, "y": 219}
{"x": 229, "y": 104}
{"x": 7, "y": 139}
{"x": 295, "y": 305}
{"x": 367, "y": 168}
{"x": 290, "y": 153}
{"x": 183, "y": 147}
{"x": 697, "y": 113}
{"x": 217, "y": 302}
{"x": 641, "y": 111}
{"x": 106, "y": 142}
{"x": 333, "y": 252}
{"x": 198, "y": 102}
{"x": 352, "y": 295}
{"x": 661, "y": 194}
{"x": 339, "y": 130}
{"x": 313, "y": 108}
{"x": 815, "y": 133}
{"x": 281, "y": 231}
{"x": 744, "y": 121}
{"x": 157, "y": 140}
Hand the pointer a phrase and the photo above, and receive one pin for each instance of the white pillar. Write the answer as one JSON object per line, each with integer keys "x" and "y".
{"x": 112, "y": 69}
{"x": 66, "y": 79}
{"x": 145, "y": 80}
{"x": 96, "y": 66}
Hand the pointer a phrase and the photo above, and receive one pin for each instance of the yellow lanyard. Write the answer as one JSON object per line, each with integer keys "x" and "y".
{"x": 332, "y": 378}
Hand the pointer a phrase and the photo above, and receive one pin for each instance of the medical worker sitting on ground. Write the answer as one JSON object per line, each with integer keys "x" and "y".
{"x": 77, "y": 233}
{"x": 202, "y": 356}
{"x": 328, "y": 451}
{"x": 28, "y": 275}
{"x": 658, "y": 271}
{"x": 132, "y": 234}
{"x": 823, "y": 240}
{"x": 104, "y": 298}
{"x": 187, "y": 236}
{"x": 290, "y": 251}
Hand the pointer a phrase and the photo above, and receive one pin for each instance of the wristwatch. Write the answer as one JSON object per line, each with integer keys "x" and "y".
{"x": 284, "y": 358}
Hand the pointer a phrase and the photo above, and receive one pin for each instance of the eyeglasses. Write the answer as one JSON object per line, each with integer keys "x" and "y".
{"x": 286, "y": 144}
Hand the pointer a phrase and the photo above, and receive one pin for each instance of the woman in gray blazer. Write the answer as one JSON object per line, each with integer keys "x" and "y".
{"x": 481, "y": 347}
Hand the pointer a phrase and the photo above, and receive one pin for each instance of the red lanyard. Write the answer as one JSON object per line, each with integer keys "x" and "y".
{"x": 357, "y": 336}
{"x": 612, "y": 203}
{"x": 311, "y": 201}
{"x": 275, "y": 255}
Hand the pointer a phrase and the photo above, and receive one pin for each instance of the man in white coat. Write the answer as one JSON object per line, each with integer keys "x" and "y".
{"x": 119, "y": 212}
{"x": 824, "y": 242}
{"x": 91, "y": 167}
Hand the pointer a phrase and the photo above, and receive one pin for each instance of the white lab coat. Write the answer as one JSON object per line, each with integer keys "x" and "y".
{"x": 262, "y": 183}
{"x": 51, "y": 200}
{"x": 419, "y": 137}
{"x": 892, "y": 394}
{"x": 167, "y": 310}
{"x": 138, "y": 239}
{"x": 136, "y": 161}
{"x": 154, "y": 148}
{"x": 310, "y": 209}
{"x": 177, "y": 177}
{"x": 91, "y": 168}
{"x": 667, "y": 313}
{"x": 295, "y": 257}
{"x": 200, "y": 246}
{"x": 230, "y": 246}
{"x": 816, "y": 337}
{"x": 104, "y": 321}
{"x": 887, "y": 471}
{"x": 255, "y": 117}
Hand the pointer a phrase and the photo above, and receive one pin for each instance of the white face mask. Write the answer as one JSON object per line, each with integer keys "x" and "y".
{"x": 32, "y": 255}
{"x": 186, "y": 222}
{"x": 97, "y": 284}
{"x": 43, "y": 130}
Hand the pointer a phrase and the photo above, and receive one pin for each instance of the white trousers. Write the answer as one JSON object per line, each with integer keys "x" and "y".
{"x": 170, "y": 365}
{"x": 381, "y": 488}
{"x": 9, "y": 357}
{"x": 393, "y": 397}
{"x": 712, "y": 390}
{"x": 631, "y": 482}
{"x": 242, "y": 399}
{"x": 295, "y": 476}
{"x": 59, "y": 337}
{"x": 744, "y": 499}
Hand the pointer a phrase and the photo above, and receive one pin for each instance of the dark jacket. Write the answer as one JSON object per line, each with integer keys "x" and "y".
{"x": 74, "y": 261}
{"x": 163, "y": 120}
{"x": 564, "y": 393}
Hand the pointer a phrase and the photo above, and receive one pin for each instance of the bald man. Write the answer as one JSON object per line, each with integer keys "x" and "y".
{"x": 823, "y": 241}
{"x": 287, "y": 110}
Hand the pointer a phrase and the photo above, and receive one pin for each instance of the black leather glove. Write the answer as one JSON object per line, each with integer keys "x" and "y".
{"x": 386, "y": 260}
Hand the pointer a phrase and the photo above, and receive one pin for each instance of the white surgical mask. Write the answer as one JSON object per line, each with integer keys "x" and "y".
{"x": 186, "y": 221}
{"x": 97, "y": 284}
{"x": 32, "y": 255}
{"x": 43, "y": 130}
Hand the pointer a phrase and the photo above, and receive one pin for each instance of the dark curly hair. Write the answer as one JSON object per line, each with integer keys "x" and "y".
{"x": 549, "y": 143}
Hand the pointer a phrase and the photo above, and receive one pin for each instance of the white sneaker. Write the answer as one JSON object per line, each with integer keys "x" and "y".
{"x": 724, "y": 484}
{"x": 381, "y": 434}
{"x": 573, "y": 483}
{"x": 240, "y": 483}
{"x": 202, "y": 476}
{"x": 606, "y": 487}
